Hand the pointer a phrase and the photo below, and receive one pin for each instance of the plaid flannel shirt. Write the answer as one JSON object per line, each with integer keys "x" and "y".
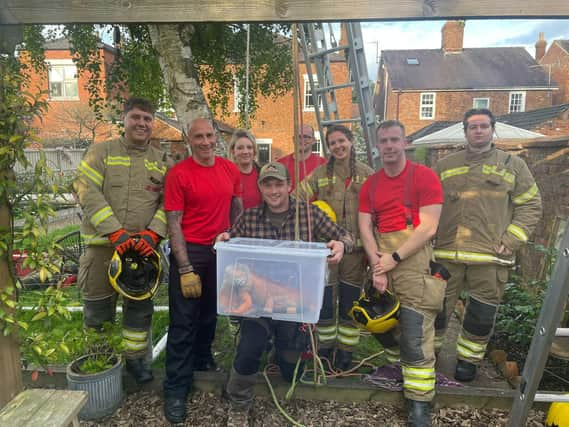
{"x": 254, "y": 223}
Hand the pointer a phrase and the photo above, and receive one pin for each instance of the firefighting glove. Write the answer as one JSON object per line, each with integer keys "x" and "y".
{"x": 191, "y": 285}
{"x": 122, "y": 241}
{"x": 147, "y": 241}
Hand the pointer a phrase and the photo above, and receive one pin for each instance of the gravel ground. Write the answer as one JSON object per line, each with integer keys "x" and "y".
{"x": 208, "y": 409}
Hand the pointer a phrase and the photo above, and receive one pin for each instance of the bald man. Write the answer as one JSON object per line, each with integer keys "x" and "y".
{"x": 308, "y": 161}
{"x": 202, "y": 198}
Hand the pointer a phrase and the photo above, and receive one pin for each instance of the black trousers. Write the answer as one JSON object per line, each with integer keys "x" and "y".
{"x": 290, "y": 340}
{"x": 192, "y": 322}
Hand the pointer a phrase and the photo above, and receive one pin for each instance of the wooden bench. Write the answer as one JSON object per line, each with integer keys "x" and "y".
{"x": 43, "y": 407}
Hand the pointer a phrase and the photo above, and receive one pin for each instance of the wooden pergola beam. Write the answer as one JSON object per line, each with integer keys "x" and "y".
{"x": 145, "y": 11}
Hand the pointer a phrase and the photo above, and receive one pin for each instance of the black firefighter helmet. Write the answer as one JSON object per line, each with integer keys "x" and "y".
{"x": 378, "y": 313}
{"x": 135, "y": 276}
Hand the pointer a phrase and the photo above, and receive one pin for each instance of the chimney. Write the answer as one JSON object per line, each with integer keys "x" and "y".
{"x": 540, "y": 46}
{"x": 452, "y": 36}
{"x": 343, "y": 34}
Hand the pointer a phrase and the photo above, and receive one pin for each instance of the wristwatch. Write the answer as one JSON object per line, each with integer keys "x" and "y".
{"x": 396, "y": 257}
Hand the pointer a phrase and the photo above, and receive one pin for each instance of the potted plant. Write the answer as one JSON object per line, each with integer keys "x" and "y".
{"x": 98, "y": 370}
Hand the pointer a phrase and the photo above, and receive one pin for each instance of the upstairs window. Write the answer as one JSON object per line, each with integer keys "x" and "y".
{"x": 517, "y": 102}
{"x": 317, "y": 146}
{"x": 481, "y": 103}
{"x": 427, "y": 108}
{"x": 63, "y": 80}
{"x": 308, "y": 98}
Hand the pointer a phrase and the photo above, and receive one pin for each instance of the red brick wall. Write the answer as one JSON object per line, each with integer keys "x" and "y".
{"x": 545, "y": 159}
{"x": 62, "y": 120}
{"x": 450, "y": 106}
{"x": 452, "y": 36}
{"x": 559, "y": 60}
{"x": 274, "y": 117}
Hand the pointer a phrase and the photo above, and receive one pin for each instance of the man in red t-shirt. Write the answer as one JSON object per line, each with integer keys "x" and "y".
{"x": 403, "y": 202}
{"x": 308, "y": 160}
{"x": 202, "y": 198}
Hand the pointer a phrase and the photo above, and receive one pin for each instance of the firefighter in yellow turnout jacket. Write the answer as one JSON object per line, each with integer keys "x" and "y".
{"x": 119, "y": 185}
{"x": 338, "y": 183}
{"x": 491, "y": 206}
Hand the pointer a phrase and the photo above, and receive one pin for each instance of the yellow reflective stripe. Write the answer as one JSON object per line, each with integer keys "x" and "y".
{"x": 135, "y": 345}
{"x": 527, "y": 196}
{"x": 423, "y": 385}
{"x": 392, "y": 355}
{"x": 351, "y": 341}
{"x": 454, "y": 172}
{"x": 117, "y": 161}
{"x": 135, "y": 335}
{"x": 306, "y": 188}
{"x": 153, "y": 166}
{"x": 101, "y": 215}
{"x": 425, "y": 373}
{"x": 518, "y": 232}
{"x": 160, "y": 215}
{"x": 326, "y": 338}
{"x": 470, "y": 256}
{"x": 92, "y": 239}
{"x": 492, "y": 170}
{"x": 326, "y": 328}
{"x": 90, "y": 173}
{"x": 470, "y": 349}
{"x": 350, "y": 332}
{"x": 323, "y": 182}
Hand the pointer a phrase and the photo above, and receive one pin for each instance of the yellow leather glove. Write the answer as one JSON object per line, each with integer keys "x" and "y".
{"x": 191, "y": 285}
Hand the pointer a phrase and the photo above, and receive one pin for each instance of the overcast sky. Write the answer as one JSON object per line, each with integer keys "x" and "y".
{"x": 477, "y": 33}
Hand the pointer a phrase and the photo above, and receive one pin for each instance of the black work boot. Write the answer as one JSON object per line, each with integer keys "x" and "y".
{"x": 139, "y": 370}
{"x": 465, "y": 371}
{"x": 343, "y": 360}
{"x": 419, "y": 413}
{"x": 175, "y": 409}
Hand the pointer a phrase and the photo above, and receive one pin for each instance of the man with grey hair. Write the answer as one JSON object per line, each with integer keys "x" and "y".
{"x": 202, "y": 198}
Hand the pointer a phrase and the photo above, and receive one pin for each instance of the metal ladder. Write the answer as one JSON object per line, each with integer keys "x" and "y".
{"x": 546, "y": 328}
{"x": 317, "y": 52}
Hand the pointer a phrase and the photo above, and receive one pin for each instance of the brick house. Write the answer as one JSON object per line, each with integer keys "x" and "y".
{"x": 422, "y": 86}
{"x": 555, "y": 62}
{"x": 69, "y": 117}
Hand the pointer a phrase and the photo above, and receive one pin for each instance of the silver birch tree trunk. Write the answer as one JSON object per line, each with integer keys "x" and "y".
{"x": 172, "y": 42}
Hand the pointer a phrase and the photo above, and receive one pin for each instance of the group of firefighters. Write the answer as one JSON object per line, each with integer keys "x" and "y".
{"x": 479, "y": 206}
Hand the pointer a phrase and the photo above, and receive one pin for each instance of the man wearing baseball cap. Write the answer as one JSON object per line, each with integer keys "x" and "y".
{"x": 275, "y": 219}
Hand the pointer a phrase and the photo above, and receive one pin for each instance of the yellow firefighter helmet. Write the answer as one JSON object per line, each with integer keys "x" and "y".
{"x": 558, "y": 415}
{"x": 134, "y": 276}
{"x": 375, "y": 312}
{"x": 326, "y": 208}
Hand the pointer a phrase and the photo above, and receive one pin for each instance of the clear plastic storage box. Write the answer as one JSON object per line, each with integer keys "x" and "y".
{"x": 280, "y": 279}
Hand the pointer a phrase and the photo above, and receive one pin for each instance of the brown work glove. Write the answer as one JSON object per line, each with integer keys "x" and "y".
{"x": 191, "y": 285}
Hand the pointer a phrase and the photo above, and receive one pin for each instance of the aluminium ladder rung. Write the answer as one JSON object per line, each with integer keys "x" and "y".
{"x": 324, "y": 52}
{"x": 562, "y": 332}
{"x": 333, "y": 122}
{"x": 551, "y": 397}
{"x": 322, "y": 89}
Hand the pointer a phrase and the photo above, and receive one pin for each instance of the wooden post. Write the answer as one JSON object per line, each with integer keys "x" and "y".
{"x": 10, "y": 367}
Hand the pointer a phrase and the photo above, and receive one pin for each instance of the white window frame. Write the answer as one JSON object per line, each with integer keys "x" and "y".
{"x": 481, "y": 99}
{"x": 308, "y": 93}
{"x": 522, "y": 104}
{"x": 423, "y": 104}
{"x": 268, "y": 142}
{"x": 317, "y": 146}
{"x": 66, "y": 64}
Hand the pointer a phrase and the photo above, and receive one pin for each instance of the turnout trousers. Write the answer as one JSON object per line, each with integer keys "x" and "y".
{"x": 335, "y": 327}
{"x": 192, "y": 322}
{"x": 100, "y": 299}
{"x": 421, "y": 297}
{"x": 485, "y": 286}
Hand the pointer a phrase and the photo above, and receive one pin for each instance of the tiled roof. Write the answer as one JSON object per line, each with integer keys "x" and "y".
{"x": 533, "y": 118}
{"x": 477, "y": 68}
